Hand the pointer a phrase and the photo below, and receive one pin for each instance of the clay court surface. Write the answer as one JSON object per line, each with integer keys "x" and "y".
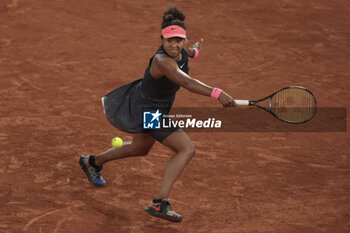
{"x": 59, "y": 57}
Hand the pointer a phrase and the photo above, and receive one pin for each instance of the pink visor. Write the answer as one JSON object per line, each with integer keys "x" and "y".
{"x": 173, "y": 31}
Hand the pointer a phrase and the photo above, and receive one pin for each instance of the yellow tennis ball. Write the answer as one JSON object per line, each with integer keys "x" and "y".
{"x": 117, "y": 142}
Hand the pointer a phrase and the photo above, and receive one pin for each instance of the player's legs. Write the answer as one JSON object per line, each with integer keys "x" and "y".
{"x": 184, "y": 150}
{"x": 140, "y": 145}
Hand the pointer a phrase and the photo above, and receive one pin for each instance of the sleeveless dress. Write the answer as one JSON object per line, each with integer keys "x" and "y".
{"x": 125, "y": 105}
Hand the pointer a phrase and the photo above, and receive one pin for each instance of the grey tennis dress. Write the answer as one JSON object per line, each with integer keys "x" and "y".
{"x": 124, "y": 106}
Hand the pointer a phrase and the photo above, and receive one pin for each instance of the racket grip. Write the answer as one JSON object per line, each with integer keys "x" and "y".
{"x": 242, "y": 102}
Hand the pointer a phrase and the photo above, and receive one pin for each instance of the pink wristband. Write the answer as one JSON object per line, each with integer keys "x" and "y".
{"x": 196, "y": 52}
{"x": 216, "y": 93}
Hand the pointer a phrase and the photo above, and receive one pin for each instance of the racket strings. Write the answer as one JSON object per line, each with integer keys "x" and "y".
{"x": 294, "y": 105}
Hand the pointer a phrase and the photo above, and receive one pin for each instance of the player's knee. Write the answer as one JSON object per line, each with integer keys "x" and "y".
{"x": 141, "y": 151}
{"x": 189, "y": 150}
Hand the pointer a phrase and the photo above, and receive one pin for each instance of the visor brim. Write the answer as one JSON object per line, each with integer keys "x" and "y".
{"x": 171, "y": 35}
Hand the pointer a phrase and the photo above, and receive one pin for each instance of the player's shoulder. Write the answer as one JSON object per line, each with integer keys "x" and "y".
{"x": 162, "y": 59}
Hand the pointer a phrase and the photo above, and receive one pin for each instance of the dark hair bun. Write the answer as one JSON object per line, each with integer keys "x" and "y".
{"x": 173, "y": 16}
{"x": 173, "y": 13}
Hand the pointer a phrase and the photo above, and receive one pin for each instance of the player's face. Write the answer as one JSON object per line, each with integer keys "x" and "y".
{"x": 173, "y": 46}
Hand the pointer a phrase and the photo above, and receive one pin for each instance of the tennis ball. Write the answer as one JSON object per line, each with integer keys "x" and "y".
{"x": 117, "y": 142}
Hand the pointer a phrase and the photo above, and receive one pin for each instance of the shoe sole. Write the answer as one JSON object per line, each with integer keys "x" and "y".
{"x": 85, "y": 169}
{"x": 152, "y": 211}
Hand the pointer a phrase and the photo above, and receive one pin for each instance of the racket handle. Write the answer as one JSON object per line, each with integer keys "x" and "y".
{"x": 242, "y": 102}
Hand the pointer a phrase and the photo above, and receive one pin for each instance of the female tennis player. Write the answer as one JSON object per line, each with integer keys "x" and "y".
{"x": 166, "y": 72}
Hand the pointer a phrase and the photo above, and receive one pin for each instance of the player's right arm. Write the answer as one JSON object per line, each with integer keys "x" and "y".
{"x": 162, "y": 65}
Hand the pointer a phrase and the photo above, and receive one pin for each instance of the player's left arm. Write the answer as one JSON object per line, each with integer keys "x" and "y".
{"x": 190, "y": 50}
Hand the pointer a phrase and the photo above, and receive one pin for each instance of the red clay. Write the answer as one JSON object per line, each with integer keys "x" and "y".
{"x": 59, "y": 57}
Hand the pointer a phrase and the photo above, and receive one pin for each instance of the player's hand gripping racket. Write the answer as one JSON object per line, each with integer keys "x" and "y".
{"x": 290, "y": 104}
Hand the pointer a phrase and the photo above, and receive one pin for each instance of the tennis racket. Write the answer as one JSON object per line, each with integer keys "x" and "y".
{"x": 292, "y": 104}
